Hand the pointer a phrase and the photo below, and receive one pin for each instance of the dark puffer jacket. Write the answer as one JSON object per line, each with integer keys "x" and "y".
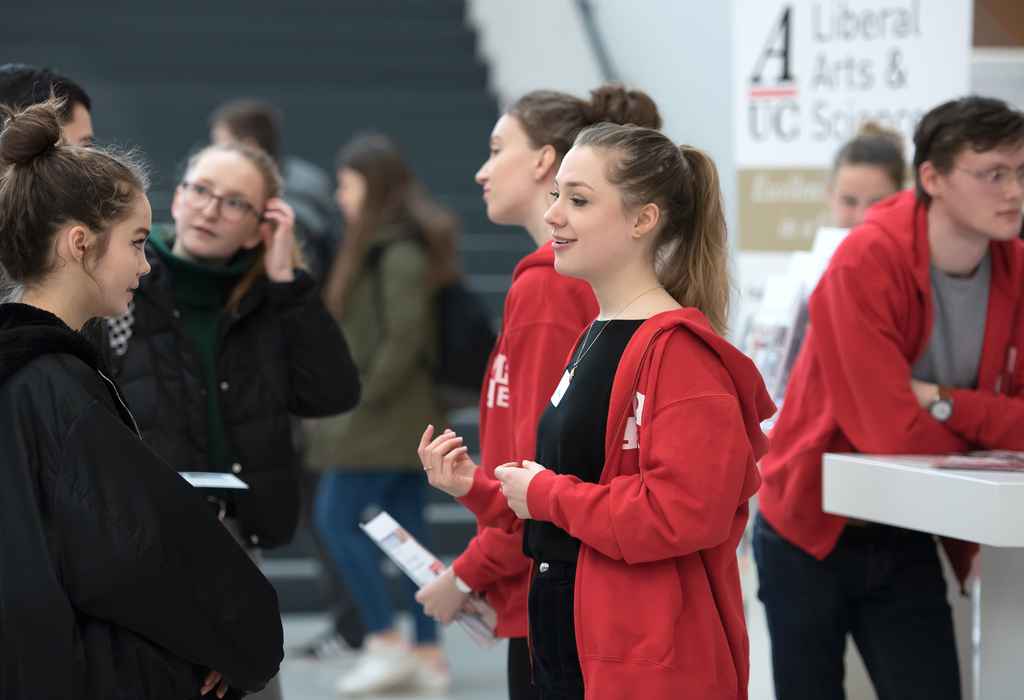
{"x": 279, "y": 355}
{"x": 116, "y": 579}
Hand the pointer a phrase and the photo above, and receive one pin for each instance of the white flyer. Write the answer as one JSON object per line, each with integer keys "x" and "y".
{"x": 214, "y": 480}
{"x": 422, "y": 567}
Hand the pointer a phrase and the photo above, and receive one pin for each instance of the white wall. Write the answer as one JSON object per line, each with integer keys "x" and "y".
{"x": 533, "y": 44}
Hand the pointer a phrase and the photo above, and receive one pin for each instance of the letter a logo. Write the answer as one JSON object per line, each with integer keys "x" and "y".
{"x": 776, "y": 48}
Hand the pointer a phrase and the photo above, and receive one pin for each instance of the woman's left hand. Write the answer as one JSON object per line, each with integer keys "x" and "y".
{"x": 515, "y": 482}
{"x": 278, "y": 230}
{"x": 214, "y": 681}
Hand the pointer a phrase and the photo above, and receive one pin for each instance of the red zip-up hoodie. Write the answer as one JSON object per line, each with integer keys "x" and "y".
{"x": 545, "y": 312}
{"x": 870, "y": 319}
{"x": 658, "y": 605}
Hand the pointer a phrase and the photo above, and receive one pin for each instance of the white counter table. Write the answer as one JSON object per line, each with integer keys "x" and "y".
{"x": 982, "y": 507}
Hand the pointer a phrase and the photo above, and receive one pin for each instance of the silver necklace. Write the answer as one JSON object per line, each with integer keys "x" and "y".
{"x": 587, "y": 348}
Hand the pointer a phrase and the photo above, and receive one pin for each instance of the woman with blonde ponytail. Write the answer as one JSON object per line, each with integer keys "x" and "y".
{"x": 649, "y": 442}
{"x": 543, "y": 316}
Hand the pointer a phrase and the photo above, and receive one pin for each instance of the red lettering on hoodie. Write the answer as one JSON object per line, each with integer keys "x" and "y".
{"x": 659, "y": 610}
{"x": 544, "y": 315}
{"x": 870, "y": 319}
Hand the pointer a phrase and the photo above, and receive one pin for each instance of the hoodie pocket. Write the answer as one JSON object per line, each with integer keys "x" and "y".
{"x": 626, "y": 611}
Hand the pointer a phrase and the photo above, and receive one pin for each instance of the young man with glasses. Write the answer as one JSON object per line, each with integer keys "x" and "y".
{"x": 912, "y": 349}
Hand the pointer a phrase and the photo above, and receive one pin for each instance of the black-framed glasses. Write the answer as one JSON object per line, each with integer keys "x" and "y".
{"x": 232, "y": 207}
{"x": 996, "y": 178}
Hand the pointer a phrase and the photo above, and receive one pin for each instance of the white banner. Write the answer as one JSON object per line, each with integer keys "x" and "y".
{"x": 807, "y": 73}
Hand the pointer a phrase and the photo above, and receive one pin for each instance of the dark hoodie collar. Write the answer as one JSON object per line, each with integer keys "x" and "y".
{"x": 28, "y": 332}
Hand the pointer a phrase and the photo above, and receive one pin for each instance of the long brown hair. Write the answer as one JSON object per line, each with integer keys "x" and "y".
{"x": 272, "y": 187}
{"x": 691, "y": 247}
{"x": 393, "y": 198}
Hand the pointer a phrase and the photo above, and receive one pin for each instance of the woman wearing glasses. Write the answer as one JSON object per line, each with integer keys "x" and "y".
{"x": 227, "y": 339}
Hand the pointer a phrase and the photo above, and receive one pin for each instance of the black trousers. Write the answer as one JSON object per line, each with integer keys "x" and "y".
{"x": 520, "y": 684}
{"x": 556, "y": 661}
{"x": 882, "y": 585}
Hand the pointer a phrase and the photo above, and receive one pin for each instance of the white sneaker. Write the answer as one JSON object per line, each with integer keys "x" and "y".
{"x": 432, "y": 679}
{"x": 382, "y": 667}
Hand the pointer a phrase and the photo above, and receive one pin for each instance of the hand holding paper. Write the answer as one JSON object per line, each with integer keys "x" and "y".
{"x": 441, "y": 599}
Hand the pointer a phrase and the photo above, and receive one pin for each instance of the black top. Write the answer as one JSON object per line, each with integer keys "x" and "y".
{"x": 570, "y": 437}
{"x": 116, "y": 580}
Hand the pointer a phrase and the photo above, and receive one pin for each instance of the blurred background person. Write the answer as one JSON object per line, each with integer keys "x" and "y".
{"x": 397, "y": 251}
{"x": 227, "y": 339}
{"x": 307, "y": 188}
{"x": 22, "y": 85}
{"x": 867, "y": 169}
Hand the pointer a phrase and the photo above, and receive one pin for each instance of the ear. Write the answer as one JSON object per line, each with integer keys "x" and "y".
{"x": 646, "y": 220}
{"x": 930, "y": 177}
{"x": 76, "y": 242}
{"x": 545, "y": 162}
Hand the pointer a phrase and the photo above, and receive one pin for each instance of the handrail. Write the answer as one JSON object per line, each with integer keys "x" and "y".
{"x": 596, "y": 41}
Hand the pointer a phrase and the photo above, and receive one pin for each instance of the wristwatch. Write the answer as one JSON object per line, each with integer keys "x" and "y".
{"x": 941, "y": 409}
{"x": 462, "y": 585}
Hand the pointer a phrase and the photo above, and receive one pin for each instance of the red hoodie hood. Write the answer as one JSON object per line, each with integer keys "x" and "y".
{"x": 542, "y": 257}
{"x": 754, "y": 399}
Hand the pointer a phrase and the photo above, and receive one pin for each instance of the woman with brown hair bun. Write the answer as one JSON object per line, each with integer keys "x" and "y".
{"x": 544, "y": 314}
{"x": 116, "y": 580}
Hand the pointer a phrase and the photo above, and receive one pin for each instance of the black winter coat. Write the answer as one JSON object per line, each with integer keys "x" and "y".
{"x": 280, "y": 355}
{"x": 116, "y": 579}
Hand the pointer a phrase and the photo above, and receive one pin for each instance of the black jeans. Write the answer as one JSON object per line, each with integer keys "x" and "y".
{"x": 520, "y": 683}
{"x": 556, "y": 662}
{"x": 883, "y": 585}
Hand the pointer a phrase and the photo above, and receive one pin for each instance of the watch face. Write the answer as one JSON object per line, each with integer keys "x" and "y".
{"x": 941, "y": 410}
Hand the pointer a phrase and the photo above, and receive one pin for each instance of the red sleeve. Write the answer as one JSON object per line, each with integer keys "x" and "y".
{"x": 991, "y": 421}
{"x": 683, "y": 500}
{"x": 537, "y": 359}
{"x": 492, "y": 555}
{"x": 696, "y": 469}
{"x": 488, "y": 503}
{"x": 855, "y": 326}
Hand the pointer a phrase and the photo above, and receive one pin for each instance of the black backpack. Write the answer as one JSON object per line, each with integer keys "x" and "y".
{"x": 465, "y": 338}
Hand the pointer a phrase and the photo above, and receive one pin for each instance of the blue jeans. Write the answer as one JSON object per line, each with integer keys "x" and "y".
{"x": 882, "y": 585}
{"x": 341, "y": 500}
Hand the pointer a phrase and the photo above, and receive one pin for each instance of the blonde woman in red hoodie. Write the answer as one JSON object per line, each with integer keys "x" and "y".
{"x": 648, "y": 445}
{"x": 912, "y": 349}
{"x": 544, "y": 315}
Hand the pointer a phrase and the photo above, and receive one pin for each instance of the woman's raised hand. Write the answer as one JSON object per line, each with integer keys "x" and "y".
{"x": 446, "y": 461}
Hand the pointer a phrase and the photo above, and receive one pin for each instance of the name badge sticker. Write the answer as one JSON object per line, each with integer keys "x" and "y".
{"x": 563, "y": 386}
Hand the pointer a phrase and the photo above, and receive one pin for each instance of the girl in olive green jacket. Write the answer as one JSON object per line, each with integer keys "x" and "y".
{"x": 398, "y": 249}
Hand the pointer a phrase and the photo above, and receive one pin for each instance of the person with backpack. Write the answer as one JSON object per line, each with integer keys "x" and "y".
{"x": 399, "y": 250}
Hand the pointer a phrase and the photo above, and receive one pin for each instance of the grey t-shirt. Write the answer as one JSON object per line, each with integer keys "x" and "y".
{"x": 960, "y": 306}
